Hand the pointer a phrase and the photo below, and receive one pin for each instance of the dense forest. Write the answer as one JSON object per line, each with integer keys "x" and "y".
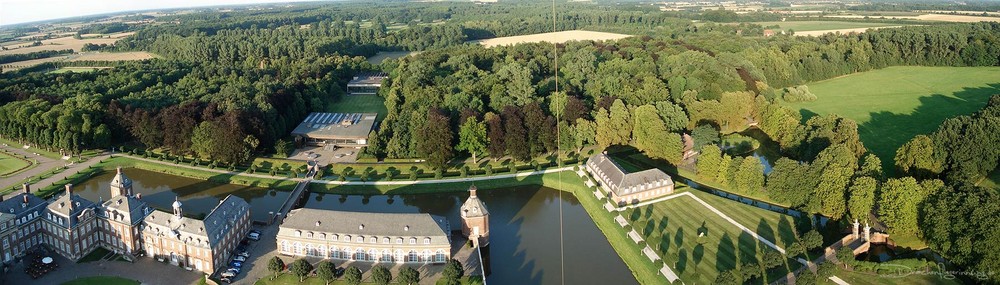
{"x": 231, "y": 84}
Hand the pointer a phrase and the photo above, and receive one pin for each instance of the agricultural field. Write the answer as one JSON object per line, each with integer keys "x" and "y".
{"x": 556, "y": 37}
{"x": 698, "y": 244}
{"x": 78, "y": 69}
{"x": 62, "y": 43}
{"x": 894, "y": 104}
{"x": 359, "y": 104}
{"x": 9, "y": 164}
{"x": 86, "y": 56}
{"x": 925, "y": 17}
{"x": 803, "y": 26}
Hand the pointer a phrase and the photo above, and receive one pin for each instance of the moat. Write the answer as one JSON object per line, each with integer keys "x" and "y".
{"x": 524, "y": 241}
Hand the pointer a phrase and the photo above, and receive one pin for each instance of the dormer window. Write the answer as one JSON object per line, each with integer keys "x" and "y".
{"x": 298, "y": 233}
{"x": 427, "y": 240}
{"x": 413, "y": 240}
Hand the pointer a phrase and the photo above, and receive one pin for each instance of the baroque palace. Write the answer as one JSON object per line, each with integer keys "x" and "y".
{"x": 73, "y": 226}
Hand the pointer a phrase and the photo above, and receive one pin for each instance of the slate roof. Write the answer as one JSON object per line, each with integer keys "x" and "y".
{"x": 71, "y": 206}
{"x": 204, "y": 233}
{"x": 617, "y": 180}
{"x": 16, "y": 205}
{"x": 126, "y": 209}
{"x": 473, "y": 207}
{"x": 366, "y": 224}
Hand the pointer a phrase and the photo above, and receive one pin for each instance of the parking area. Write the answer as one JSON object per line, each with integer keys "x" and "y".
{"x": 326, "y": 154}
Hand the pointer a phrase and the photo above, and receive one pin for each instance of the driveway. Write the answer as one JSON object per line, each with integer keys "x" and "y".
{"x": 44, "y": 164}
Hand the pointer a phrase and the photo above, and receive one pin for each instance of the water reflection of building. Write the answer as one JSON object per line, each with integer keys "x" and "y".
{"x": 204, "y": 245}
{"x": 73, "y": 226}
{"x": 361, "y": 236}
{"x": 475, "y": 219}
{"x": 627, "y": 188}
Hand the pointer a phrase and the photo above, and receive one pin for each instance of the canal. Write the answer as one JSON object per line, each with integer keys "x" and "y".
{"x": 524, "y": 221}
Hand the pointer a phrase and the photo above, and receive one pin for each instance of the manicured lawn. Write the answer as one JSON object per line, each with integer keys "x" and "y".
{"x": 673, "y": 229}
{"x": 359, "y": 104}
{"x": 894, "y": 104}
{"x": 10, "y": 164}
{"x": 102, "y": 280}
{"x": 801, "y": 26}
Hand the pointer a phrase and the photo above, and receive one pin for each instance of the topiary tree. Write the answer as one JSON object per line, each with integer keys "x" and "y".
{"x": 381, "y": 275}
{"x": 845, "y": 255}
{"x": 408, "y": 276}
{"x": 275, "y": 265}
{"x": 301, "y": 268}
{"x": 352, "y": 275}
{"x": 489, "y": 170}
{"x": 326, "y": 271}
{"x": 812, "y": 240}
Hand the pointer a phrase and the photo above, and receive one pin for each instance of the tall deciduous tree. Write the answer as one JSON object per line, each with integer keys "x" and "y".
{"x": 674, "y": 117}
{"x": 453, "y": 272}
{"x": 862, "y": 197}
{"x": 651, "y": 136}
{"x": 708, "y": 161}
{"x": 620, "y": 123}
{"x": 516, "y": 135}
{"x": 585, "y": 133}
{"x": 435, "y": 140}
{"x": 897, "y": 205}
{"x": 750, "y": 178}
{"x": 920, "y": 157}
{"x": 497, "y": 146}
{"x": 352, "y": 275}
{"x": 472, "y": 138}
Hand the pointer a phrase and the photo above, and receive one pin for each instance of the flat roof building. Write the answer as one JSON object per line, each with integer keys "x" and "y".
{"x": 628, "y": 188}
{"x": 338, "y": 129}
{"x": 363, "y": 236}
{"x": 366, "y": 83}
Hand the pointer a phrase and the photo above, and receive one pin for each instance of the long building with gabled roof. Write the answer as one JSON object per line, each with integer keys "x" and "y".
{"x": 628, "y": 188}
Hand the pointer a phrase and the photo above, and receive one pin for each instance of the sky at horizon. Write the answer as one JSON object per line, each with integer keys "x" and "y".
{"x": 24, "y": 11}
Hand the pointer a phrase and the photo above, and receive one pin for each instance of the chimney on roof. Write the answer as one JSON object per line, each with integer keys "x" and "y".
{"x": 26, "y": 187}
{"x": 69, "y": 190}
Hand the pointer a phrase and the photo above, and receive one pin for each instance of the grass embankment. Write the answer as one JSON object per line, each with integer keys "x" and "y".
{"x": 10, "y": 164}
{"x": 894, "y": 104}
{"x": 102, "y": 280}
{"x": 699, "y": 244}
{"x": 362, "y": 103}
{"x": 802, "y": 26}
{"x": 895, "y": 278}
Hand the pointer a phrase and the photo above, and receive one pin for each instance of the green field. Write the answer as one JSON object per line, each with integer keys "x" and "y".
{"x": 992, "y": 181}
{"x": 102, "y": 280}
{"x": 864, "y": 278}
{"x": 672, "y": 228}
{"x": 359, "y": 104}
{"x": 802, "y": 26}
{"x": 894, "y": 104}
{"x": 9, "y": 164}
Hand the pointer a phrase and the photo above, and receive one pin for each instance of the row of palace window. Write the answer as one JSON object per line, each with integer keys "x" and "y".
{"x": 361, "y": 255}
{"x": 361, "y": 239}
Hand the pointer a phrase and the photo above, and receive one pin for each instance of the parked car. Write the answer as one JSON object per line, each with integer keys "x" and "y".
{"x": 228, "y": 274}
{"x": 236, "y": 264}
{"x": 244, "y": 253}
{"x": 226, "y": 279}
{"x": 255, "y": 232}
{"x": 234, "y": 270}
{"x": 240, "y": 258}
{"x": 253, "y": 236}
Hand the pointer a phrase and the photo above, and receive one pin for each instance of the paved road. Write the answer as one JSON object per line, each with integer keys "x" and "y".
{"x": 72, "y": 169}
{"x": 44, "y": 165}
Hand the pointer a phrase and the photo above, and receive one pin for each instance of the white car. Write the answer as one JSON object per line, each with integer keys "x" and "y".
{"x": 228, "y": 274}
{"x": 240, "y": 258}
{"x": 253, "y": 236}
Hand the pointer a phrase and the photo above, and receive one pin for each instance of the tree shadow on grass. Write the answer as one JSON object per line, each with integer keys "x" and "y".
{"x": 747, "y": 248}
{"x": 885, "y": 131}
{"x": 786, "y": 231}
{"x": 764, "y": 230}
{"x": 725, "y": 256}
